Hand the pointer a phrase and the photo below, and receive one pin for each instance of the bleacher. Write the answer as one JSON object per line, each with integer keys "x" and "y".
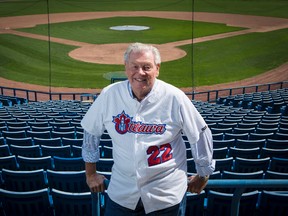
{"x": 42, "y": 172}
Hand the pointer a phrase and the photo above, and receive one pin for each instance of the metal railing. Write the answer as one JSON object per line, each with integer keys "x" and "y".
{"x": 239, "y": 184}
{"x": 210, "y": 96}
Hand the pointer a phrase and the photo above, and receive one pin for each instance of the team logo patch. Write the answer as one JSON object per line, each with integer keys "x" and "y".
{"x": 123, "y": 124}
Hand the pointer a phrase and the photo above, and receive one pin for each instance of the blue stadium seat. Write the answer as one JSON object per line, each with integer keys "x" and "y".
{"x": 69, "y": 181}
{"x": 250, "y": 143}
{"x": 223, "y": 143}
{"x": 238, "y": 130}
{"x": 279, "y": 165}
{"x": 24, "y": 180}
{"x": 195, "y": 203}
{"x": 71, "y": 141}
{"x": 48, "y": 141}
{"x": 69, "y": 164}
{"x": 281, "y": 136}
{"x": 32, "y": 203}
{"x": 219, "y": 204}
{"x": 76, "y": 151}
{"x": 9, "y": 162}
{"x": 191, "y": 165}
{"x": 244, "y": 152}
{"x": 16, "y": 124}
{"x": 39, "y": 134}
{"x": 4, "y": 151}
{"x": 14, "y": 134}
{"x": 276, "y": 144}
{"x": 30, "y": 163}
{"x": 273, "y": 203}
{"x": 275, "y": 175}
{"x": 70, "y": 134}
{"x": 73, "y": 204}
{"x": 257, "y": 136}
{"x": 27, "y": 141}
{"x": 107, "y": 152}
{"x": 18, "y": 128}
{"x": 60, "y": 151}
{"x": 38, "y": 124}
{"x": 224, "y": 164}
{"x": 280, "y": 153}
{"x": 39, "y": 129}
{"x": 244, "y": 165}
{"x": 105, "y": 164}
{"x": 219, "y": 153}
{"x": 235, "y": 136}
{"x": 26, "y": 151}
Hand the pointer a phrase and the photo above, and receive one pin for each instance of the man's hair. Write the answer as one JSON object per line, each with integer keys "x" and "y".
{"x": 140, "y": 47}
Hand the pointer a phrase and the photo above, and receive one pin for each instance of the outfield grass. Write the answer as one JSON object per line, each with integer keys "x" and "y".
{"x": 225, "y": 60}
{"x": 161, "y": 30}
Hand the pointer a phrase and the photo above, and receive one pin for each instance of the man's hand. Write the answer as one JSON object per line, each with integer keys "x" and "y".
{"x": 95, "y": 182}
{"x": 196, "y": 183}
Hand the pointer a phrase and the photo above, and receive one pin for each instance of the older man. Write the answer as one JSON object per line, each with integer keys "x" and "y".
{"x": 146, "y": 119}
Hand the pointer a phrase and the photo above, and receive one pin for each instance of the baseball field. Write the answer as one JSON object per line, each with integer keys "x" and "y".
{"x": 203, "y": 42}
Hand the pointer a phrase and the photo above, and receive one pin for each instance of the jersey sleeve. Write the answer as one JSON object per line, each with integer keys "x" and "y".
{"x": 93, "y": 126}
{"x": 199, "y": 137}
{"x": 90, "y": 148}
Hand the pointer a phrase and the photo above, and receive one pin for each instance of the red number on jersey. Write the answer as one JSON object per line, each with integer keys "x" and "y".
{"x": 159, "y": 155}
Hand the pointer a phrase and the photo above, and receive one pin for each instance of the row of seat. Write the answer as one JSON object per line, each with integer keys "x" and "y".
{"x": 22, "y": 163}
{"x": 245, "y": 165}
{"x": 54, "y": 203}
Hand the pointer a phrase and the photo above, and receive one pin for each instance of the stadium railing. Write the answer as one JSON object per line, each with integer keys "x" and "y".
{"x": 239, "y": 184}
{"x": 209, "y": 96}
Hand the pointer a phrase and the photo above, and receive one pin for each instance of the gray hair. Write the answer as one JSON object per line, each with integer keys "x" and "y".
{"x": 140, "y": 47}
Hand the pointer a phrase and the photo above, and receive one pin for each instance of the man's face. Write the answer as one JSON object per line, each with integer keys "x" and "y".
{"x": 141, "y": 71}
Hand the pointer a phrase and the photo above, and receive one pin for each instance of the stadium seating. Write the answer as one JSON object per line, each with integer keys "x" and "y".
{"x": 249, "y": 142}
{"x": 24, "y": 180}
{"x": 195, "y": 203}
{"x": 32, "y": 203}
{"x": 273, "y": 203}
{"x": 74, "y": 204}
{"x": 69, "y": 181}
{"x": 219, "y": 204}
{"x": 68, "y": 164}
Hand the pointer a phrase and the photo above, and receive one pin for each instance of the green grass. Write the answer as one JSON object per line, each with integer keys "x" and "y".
{"x": 161, "y": 30}
{"x": 241, "y": 58}
{"x": 225, "y": 60}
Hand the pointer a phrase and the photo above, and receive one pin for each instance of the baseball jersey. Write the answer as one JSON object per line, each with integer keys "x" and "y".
{"x": 148, "y": 150}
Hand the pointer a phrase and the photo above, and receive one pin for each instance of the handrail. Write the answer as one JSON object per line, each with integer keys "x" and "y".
{"x": 238, "y": 184}
{"x": 210, "y": 96}
{"x": 241, "y": 184}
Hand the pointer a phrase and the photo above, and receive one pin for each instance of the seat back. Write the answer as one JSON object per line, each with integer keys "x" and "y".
{"x": 69, "y": 181}
{"x": 24, "y": 180}
{"x": 72, "y": 204}
{"x": 279, "y": 165}
{"x": 69, "y": 164}
{"x": 27, "y": 151}
{"x": 219, "y": 204}
{"x": 273, "y": 203}
{"x": 60, "y": 151}
{"x": 32, "y": 203}
{"x": 8, "y": 162}
{"x": 250, "y": 165}
{"x": 29, "y": 163}
{"x": 195, "y": 203}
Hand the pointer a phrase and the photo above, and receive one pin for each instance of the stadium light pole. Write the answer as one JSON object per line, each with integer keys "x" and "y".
{"x": 49, "y": 47}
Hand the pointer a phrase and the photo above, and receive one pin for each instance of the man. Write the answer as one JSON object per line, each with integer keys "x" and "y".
{"x": 146, "y": 118}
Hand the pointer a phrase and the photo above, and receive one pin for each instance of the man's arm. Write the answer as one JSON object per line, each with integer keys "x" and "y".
{"x": 94, "y": 180}
{"x": 91, "y": 154}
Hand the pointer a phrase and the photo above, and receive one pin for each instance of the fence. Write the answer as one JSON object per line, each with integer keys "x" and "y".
{"x": 210, "y": 96}
{"x": 240, "y": 185}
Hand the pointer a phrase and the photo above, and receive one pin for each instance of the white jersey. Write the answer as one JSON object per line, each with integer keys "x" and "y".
{"x": 148, "y": 150}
